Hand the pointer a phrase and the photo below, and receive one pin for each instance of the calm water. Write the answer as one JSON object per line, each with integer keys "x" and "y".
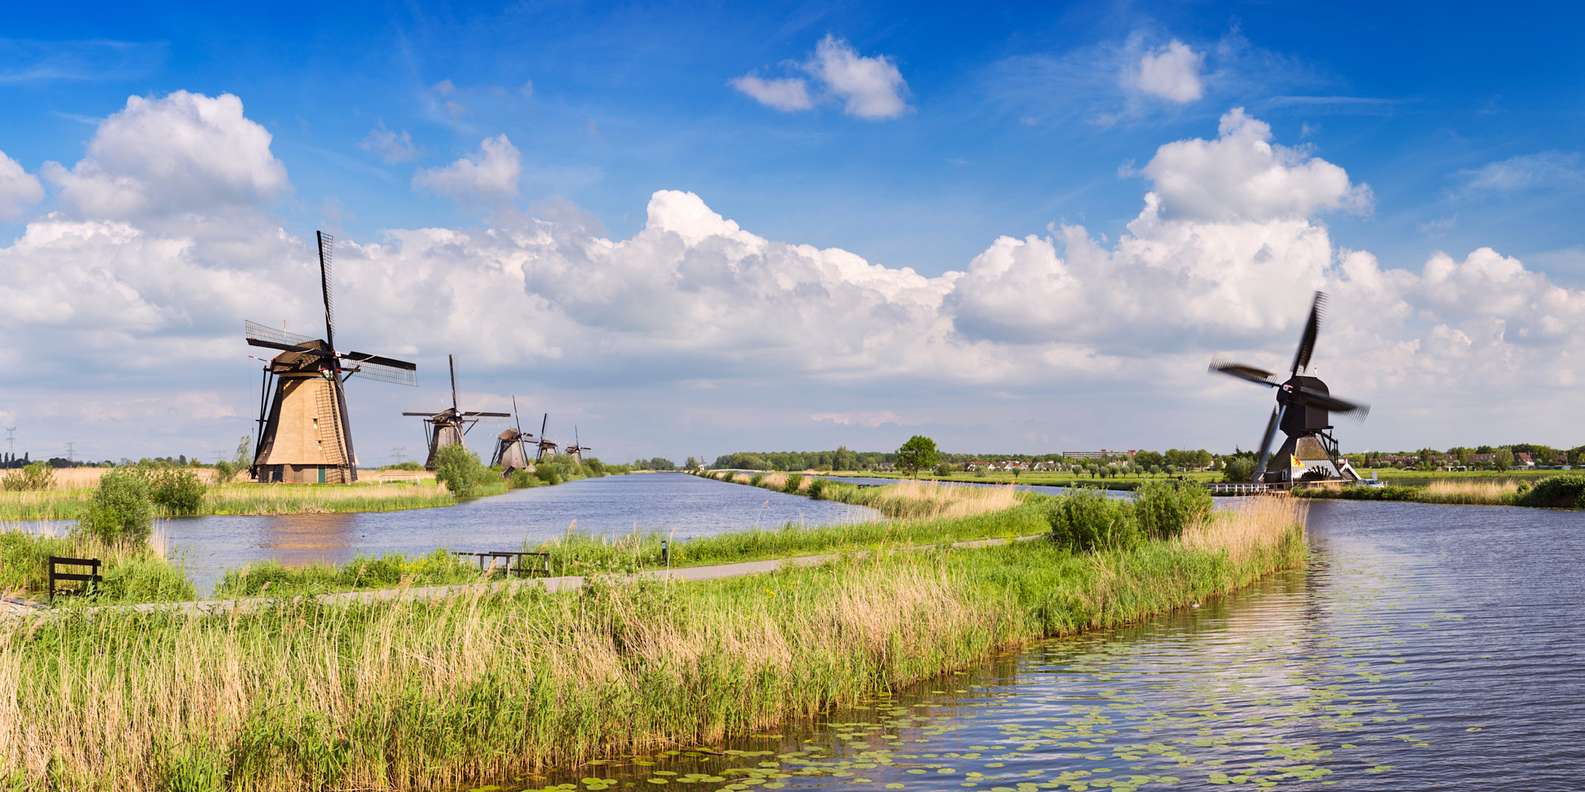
{"x": 666, "y": 503}
{"x": 1425, "y": 647}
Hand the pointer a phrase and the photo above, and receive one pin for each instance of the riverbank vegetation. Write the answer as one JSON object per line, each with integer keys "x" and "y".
{"x": 1558, "y": 492}
{"x": 493, "y": 682}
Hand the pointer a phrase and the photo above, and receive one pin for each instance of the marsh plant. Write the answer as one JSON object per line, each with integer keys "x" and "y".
{"x": 32, "y": 477}
{"x": 122, "y": 510}
{"x": 493, "y": 682}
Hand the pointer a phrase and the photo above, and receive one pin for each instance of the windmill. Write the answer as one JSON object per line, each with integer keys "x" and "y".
{"x": 303, "y": 431}
{"x": 447, "y": 427}
{"x": 1303, "y": 411}
{"x": 511, "y": 450}
{"x": 546, "y": 448}
{"x": 576, "y": 449}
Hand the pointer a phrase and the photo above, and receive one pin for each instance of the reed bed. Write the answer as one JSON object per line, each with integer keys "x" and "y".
{"x": 494, "y": 682}
{"x": 71, "y": 502}
{"x": 1471, "y": 491}
{"x": 576, "y": 554}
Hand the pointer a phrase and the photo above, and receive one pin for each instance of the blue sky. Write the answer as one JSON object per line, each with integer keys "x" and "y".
{"x": 1462, "y": 122}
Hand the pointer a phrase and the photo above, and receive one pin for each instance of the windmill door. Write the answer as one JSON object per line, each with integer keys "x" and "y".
{"x": 321, "y": 474}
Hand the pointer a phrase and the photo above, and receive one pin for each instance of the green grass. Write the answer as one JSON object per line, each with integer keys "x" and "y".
{"x": 578, "y": 554}
{"x": 1555, "y": 491}
{"x": 130, "y": 575}
{"x": 1046, "y": 478}
{"x": 271, "y": 578}
{"x": 494, "y": 682}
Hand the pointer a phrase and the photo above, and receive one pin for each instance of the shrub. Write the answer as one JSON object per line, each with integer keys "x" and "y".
{"x": 521, "y": 478}
{"x": 32, "y": 476}
{"x": 177, "y": 490}
{"x": 460, "y": 470}
{"x": 122, "y": 510}
{"x": 403, "y": 466}
{"x": 1163, "y": 509}
{"x": 1085, "y": 520}
{"x": 817, "y": 489}
{"x": 1566, "y": 492}
{"x": 550, "y": 472}
{"x": 1238, "y": 470}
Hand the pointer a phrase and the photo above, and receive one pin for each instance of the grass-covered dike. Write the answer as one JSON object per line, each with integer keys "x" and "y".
{"x": 494, "y": 682}
{"x": 1552, "y": 492}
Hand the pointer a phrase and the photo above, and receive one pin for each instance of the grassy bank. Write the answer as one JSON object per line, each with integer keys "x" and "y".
{"x": 488, "y": 684}
{"x": 131, "y": 574}
{"x": 1559, "y": 492}
{"x": 1044, "y": 478}
{"x": 71, "y": 503}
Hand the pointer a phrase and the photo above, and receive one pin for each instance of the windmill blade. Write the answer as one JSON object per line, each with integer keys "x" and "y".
{"x": 1312, "y": 328}
{"x": 423, "y": 414}
{"x": 481, "y": 414}
{"x": 515, "y": 419}
{"x": 452, "y": 362}
{"x": 259, "y": 342}
{"x": 327, "y": 260}
{"x": 1265, "y": 441}
{"x": 380, "y": 372}
{"x": 379, "y": 360}
{"x": 1332, "y": 403}
{"x": 1258, "y": 376}
{"x": 264, "y": 332}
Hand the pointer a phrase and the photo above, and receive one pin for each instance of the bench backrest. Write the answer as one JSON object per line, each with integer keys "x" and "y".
{"x": 60, "y": 572}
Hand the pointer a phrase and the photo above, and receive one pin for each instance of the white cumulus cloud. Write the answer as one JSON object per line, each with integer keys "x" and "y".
{"x": 869, "y": 86}
{"x": 184, "y": 152}
{"x": 1242, "y": 175}
{"x": 1171, "y": 73}
{"x": 786, "y": 94}
{"x": 19, "y": 190}
{"x": 490, "y": 174}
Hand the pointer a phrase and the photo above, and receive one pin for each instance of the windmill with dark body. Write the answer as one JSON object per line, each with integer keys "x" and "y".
{"x": 546, "y": 448}
{"x": 448, "y": 427}
{"x": 511, "y": 447}
{"x": 577, "y": 448}
{"x": 1303, "y": 412}
{"x": 303, "y": 431}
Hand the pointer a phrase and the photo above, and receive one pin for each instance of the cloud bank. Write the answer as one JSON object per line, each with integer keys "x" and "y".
{"x": 1227, "y": 245}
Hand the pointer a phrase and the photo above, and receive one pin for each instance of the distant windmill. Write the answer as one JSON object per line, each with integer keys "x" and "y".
{"x": 546, "y": 448}
{"x": 447, "y": 427}
{"x": 511, "y": 450}
{"x": 576, "y": 449}
{"x": 1303, "y": 413}
{"x": 303, "y": 431}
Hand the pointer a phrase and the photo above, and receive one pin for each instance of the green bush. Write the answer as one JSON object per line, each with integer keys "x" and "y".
{"x": 460, "y": 470}
{"x": 521, "y": 479}
{"x": 1086, "y": 520}
{"x": 817, "y": 488}
{"x": 1163, "y": 508}
{"x": 1563, "y": 492}
{"x": 1238, "y": 470}
{"x": 30, "y": 477}
{"x": 122, "y": 510}
{"x": 553, "y": 471}
{"x": 403, "y": 466}
{"x": 176, "y": 490}
{"x": 24, "y": 560}
{"x": 790, "y": 486}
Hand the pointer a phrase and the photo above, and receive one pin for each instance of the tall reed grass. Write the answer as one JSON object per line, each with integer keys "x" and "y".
{"x": 72, "y": 502}
{"x": 493, "y": 682}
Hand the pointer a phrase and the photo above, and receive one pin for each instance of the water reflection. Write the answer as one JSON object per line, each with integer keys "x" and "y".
{"x": 1424, "y": 647}
{"x": 673, "y": 504}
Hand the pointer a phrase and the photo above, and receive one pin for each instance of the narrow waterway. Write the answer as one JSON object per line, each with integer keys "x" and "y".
{"x": 1425, "y": 647}
{"x": 671, "y": 504}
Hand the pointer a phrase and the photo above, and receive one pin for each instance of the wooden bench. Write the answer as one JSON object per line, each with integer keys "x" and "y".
{"x": 514, "y": 563}
{"x": 59, "y": 573}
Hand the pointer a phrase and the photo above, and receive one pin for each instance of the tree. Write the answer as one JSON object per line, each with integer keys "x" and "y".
{"x": 919, "y": 453}
{"x": 1504, "y": 458}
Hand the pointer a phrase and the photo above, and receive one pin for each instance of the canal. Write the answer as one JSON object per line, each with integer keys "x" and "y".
{"x": 670, "y": 504}
{"x": 1424, "y": 647}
